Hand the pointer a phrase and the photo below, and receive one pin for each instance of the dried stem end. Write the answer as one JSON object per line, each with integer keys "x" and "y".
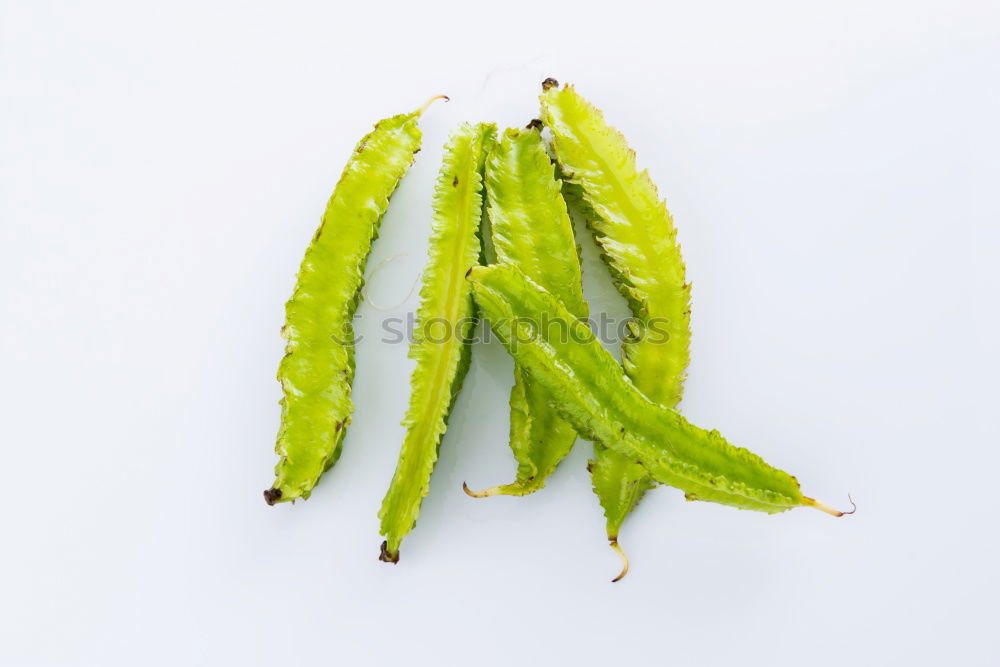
{"x": 429, "y": 102}
{"x": 621, "y": 554}
{"x": 485, "y": 493}
{"x": 387, "y": 557}
{"x": 811, "y": 502}
{"x": 272, "y": 496}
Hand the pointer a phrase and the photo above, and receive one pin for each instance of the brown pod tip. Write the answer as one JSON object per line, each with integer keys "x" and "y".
{"x": 549, "y": 83}
{"x": 387, "y": 557}
{"x": 534, "y": 124}
{"x": 272, "y": 496}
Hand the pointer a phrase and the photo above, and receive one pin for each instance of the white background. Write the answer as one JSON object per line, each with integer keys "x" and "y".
{"x": 833, "y": 171}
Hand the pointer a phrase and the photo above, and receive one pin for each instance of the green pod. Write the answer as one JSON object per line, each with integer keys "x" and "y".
{"x": 636, "y": 234}
{"x": 532, "y": 229}
{"x": 619, "y": 482}
{"x": 446, "y": 320}
{"x": 318, "y": 367}
{"x": 639, "y": 245}
{"x": 591, "y": 392}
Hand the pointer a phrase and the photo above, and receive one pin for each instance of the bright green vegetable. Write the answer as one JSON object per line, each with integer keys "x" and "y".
{"x": 639, "y": 243}
{"x": 635, "y": 230}
{"x": 619, "y": 482}
{"x": 318, "y": 367}
{"x": 532, "y": 229}
{"x": 592, "y": 393}
{"x": 446, "y": 319}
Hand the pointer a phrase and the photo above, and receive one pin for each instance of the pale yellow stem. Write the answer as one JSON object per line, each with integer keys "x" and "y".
{"x": 621, "y": 554}
{"x": 485, "y": 493}
{"x": 811, "y": 502}
{"x": 430, "y": 102}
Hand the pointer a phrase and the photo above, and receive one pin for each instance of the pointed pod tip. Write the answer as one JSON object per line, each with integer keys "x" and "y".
{"x": 272, "y": 495}
{"x": 621, "y": 554}
{"x": 385, "y": 556}
{"x": 812, "y": 502}
{"x": 431, "y": 101}
{"x": 477, "y": 494}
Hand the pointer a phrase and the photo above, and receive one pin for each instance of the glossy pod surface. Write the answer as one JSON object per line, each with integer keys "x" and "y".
{"x": 446, "y": 320}
{"x": 531, "y": 228}
{"x": 592, "y": 393}
{"x": 318, "y": 367}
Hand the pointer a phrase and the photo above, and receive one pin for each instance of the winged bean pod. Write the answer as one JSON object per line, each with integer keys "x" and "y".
{"x": 590, "y": 391}
{"x": 639, "y": 244}
{"x": 531, "y": 228}
{"x": 317, "y": 370}
{"x": 446, "y": 320}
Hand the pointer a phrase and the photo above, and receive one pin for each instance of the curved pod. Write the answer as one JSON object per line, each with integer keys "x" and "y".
{"x": 317, "y": 370}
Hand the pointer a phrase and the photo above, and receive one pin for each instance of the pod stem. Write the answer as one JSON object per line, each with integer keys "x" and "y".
{"x": 429, "y": 102}
{"x": 621, "y": 554}
{"x": 521, "y": 487}
{"x": 829, "y": 510}
{"x": 485, "y": 493}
